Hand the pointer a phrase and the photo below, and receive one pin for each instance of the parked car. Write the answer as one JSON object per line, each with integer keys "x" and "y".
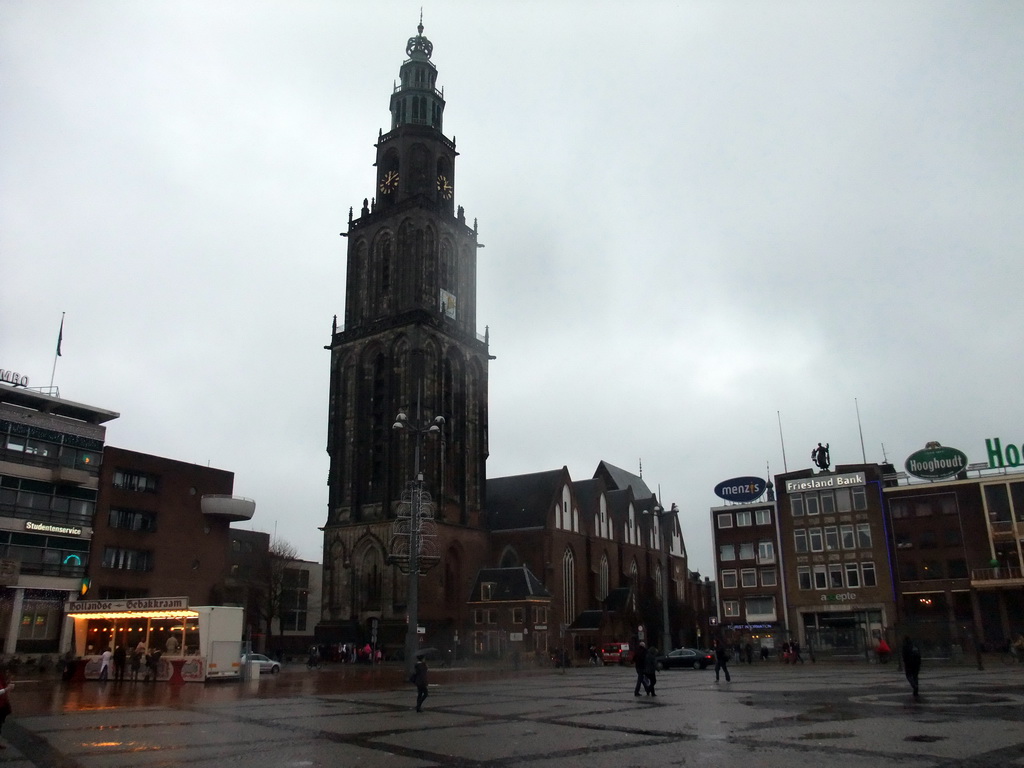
{"x": 616, "y": 653}
{"x": 694, "y": 658}
{"x": 266, "y": 664}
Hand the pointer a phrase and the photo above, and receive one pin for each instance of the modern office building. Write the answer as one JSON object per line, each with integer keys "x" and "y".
{"x": 956, "y": 534}
{"x": 51, "y": 453}
{"x": 751, "y": 580}
{"x": 835, "y": 556}
{"x": 162, "y": 528}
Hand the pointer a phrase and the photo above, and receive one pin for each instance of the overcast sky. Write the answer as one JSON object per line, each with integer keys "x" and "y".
{"x": 701, "y": 219}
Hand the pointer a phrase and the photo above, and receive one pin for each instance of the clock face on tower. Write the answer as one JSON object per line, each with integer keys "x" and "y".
{"x": 389, "y": 182}
{"x": 444, "y": 187}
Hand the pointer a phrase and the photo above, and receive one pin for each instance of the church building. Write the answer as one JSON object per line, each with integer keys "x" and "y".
{"x": 407, "y": 426}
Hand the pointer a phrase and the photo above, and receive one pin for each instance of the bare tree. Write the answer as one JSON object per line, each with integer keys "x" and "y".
{"x": 280, "y": 554}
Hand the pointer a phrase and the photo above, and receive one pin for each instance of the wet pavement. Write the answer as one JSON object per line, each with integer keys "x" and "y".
{"x": 769, "y": 715}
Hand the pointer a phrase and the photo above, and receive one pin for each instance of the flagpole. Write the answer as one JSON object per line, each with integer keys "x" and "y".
{"x": 60, "y": 338}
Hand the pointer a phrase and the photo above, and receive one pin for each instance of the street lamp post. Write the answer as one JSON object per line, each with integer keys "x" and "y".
{"x": 418, "y": 498}
{"x": 661, "y": 514}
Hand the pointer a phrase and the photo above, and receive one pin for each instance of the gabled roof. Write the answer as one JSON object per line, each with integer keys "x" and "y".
{"x": 619, "y": 479}
{"x": 522, "y": 501}
{"x": 509, "y": 584}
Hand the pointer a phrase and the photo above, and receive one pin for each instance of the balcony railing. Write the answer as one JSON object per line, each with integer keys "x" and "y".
{"x": 1002, "y": 573}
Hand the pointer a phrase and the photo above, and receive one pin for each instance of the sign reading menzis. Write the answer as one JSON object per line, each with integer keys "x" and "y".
{"x": 825, "y": 482}
{"x": 137, "y": 604}
{"x": 742, "y": 489}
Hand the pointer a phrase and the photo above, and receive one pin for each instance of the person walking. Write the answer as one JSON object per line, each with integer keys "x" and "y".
{"x": 105, "y": 664}
{"x": 640, "y": 664}
{"x": 136, "y": 662}
{"x": 911, "y": 663}
{"x": 651, "y": 669}
{"x": 6, "y": 686}
{"x": 796, "y": 653}
{"x": 120, "y": 659}
{"x": 419, "y": 676}
{"x": 721, "y": 661}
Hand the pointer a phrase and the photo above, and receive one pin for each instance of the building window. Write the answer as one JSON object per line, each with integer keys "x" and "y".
{"x": 748, "y": 577}
{"x": 796, "y": 505}
{"x": 846, "y": 534}
{"x": 800, "y": 539}
{"x": 957, "y": 568}
{"x": 768, "y": 577}
{"x": 763, "y": 517}
{"x": 569, "y": 586}
{"x": 747, "y": 550}
{"x": 731, "y": 608}
{"x": 864, "y": 535}
{"x": 811, "y": 503}
{"x": 132, "y": 520}
{"x": 727, "y": 552}
{"x": 816, "y": 540}
{"x": 835, "y": 576}
{"x": 135, "y": 481}
{"x": 602, "y": 577}
{"x": 820, "y": 577}
{"x": 852, "y": 576}
{"x": 867, "y": 570}
{"x": 765, "y": 552}
{"x": 860, "y": 498}
{"x": 127, "y": 559}
{"x": 831, "y": 538}
{"x": 828, "y": 503}
{"x": 487, "y": 590}
{"x": 760, "y": 608}
{"x": 728, "y": 579}
{"x": 843, "y": 503}
{"x": 932, "y": 569}
{"x": 725, "y": 521}
{"x": 540, "y": 616}
{"x": 518, "y": 616}
{"x": 803, "y": 576}
{"x": 743, "y": 519}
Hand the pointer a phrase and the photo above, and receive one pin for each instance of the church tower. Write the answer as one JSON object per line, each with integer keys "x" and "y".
{"x": 408, "y": 344}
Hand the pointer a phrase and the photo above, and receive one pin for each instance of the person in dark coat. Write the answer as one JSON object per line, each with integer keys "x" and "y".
{"x": 6, "y": 686}
{"x": 911, "y": 663}
{"x": 120, "y": 661}
{"x": 721, "y": 661}
{"x": 651, "y": 669}
{"x": 640, "y": 664}
{"x": 419, "y": 676}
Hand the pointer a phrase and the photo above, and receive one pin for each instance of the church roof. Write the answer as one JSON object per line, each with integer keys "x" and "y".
{"x": 619, "y": 479}
{"x": 588, "y": 492}
{"x": 522, "y": 501}
{"x": 509, "y": 584}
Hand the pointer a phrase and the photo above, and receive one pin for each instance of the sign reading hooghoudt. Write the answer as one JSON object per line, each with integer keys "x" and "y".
{"x": 825, "y": 482}
{"x": 935, "y": 462}
{"x": 136, "y": 604}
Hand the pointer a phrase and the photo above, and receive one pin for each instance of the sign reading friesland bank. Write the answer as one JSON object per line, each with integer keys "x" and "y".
{"x": 936, "y": 462}
{"x": 823, "y": 482}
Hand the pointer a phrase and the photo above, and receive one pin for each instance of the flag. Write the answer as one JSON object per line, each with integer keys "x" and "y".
{"x": 60, "y": 336}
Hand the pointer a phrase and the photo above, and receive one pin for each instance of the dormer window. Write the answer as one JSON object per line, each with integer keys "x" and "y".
{"x": 487, "y": 590}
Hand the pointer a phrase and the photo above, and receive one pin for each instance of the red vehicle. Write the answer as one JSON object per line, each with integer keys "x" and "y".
{"x": 616, "y": 653}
